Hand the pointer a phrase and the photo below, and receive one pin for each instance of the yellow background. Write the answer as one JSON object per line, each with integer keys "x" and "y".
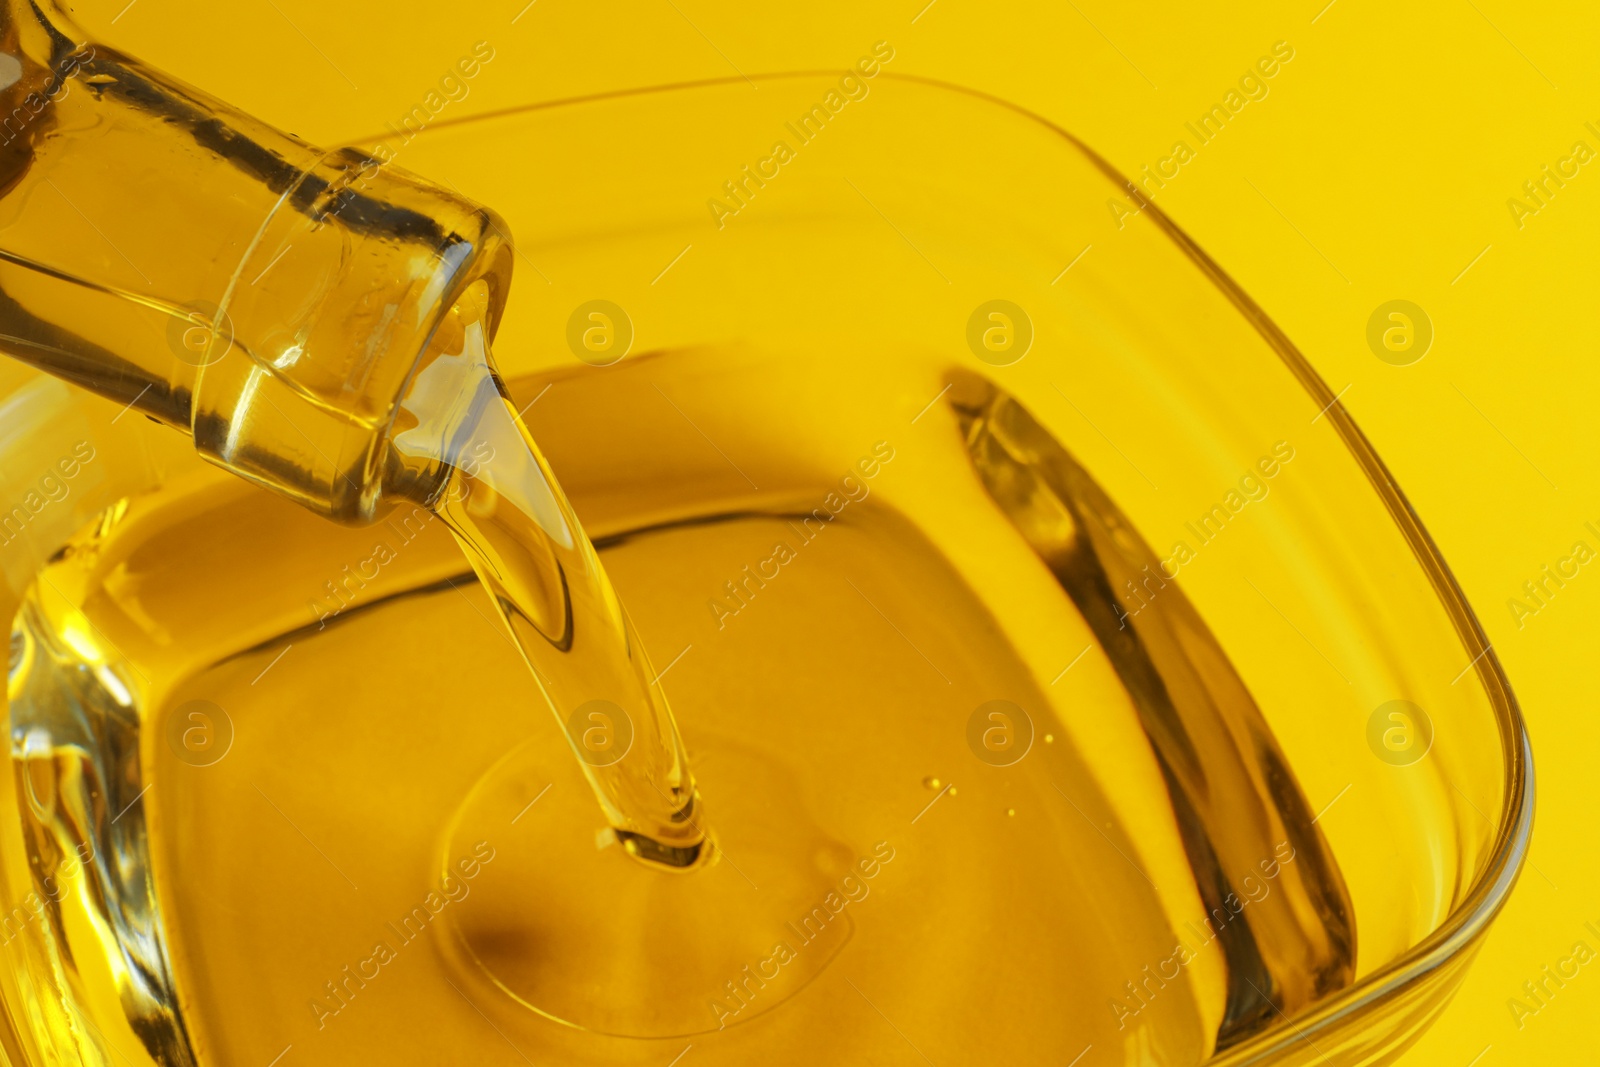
{"x": 1378, "y": 168}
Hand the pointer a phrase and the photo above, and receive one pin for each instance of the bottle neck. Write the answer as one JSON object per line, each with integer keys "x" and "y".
{"x": 42, "y": 28}
{"x": 270, "y": 299}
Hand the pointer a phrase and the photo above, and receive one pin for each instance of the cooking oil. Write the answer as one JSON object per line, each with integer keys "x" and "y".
{"x": 886, "y": 824}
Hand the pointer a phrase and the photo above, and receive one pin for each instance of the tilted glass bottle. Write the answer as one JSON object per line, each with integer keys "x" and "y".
{"x": 173, "y": 254}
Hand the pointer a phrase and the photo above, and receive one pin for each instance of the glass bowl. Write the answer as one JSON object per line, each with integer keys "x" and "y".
{"x": 962, "y": 278}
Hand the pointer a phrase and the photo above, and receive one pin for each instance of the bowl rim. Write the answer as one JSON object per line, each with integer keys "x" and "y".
{"x": 1464, "y": 925}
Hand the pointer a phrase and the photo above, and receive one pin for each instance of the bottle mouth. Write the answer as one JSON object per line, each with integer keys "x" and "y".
{"x": 363, "y": 266}
{"x": 427, "y": 436}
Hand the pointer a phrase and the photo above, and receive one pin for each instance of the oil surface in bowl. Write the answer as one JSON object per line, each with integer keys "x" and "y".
{"x": 1024, "y": 821}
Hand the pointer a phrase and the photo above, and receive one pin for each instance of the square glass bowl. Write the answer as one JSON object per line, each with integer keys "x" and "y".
{"x": 731, "y": 291}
